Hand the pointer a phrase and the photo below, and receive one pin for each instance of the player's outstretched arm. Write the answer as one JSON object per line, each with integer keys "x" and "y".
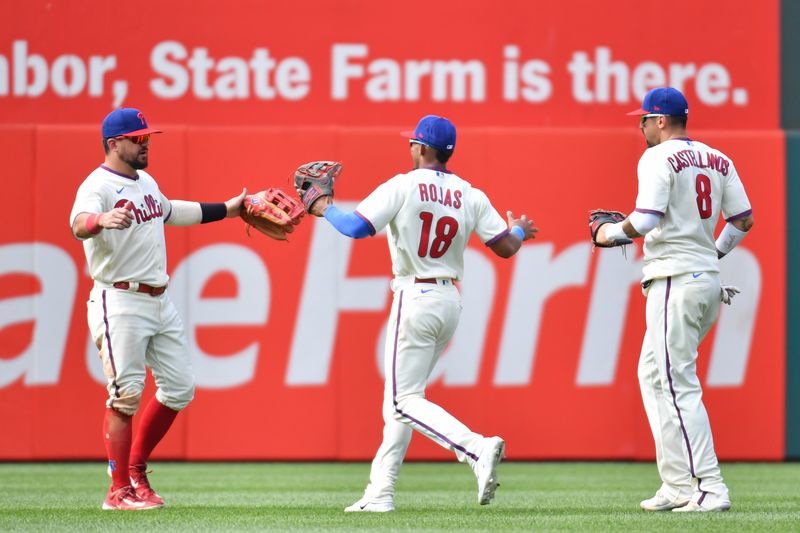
{"x": 87, "y": 225}
{"x": 520, "y": 230}
{"x": 188, "y": 213}
{"x": 350, "y": 224}
{"x": 610, "y": 233}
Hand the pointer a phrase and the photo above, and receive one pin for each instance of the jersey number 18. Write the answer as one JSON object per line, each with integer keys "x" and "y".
{"x": 446, "y": 229}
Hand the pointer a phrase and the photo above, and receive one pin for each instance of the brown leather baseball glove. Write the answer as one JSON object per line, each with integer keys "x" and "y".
{"x": 272, "y": 212}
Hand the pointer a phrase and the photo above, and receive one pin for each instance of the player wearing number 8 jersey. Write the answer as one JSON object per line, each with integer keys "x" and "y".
{"x": 429, "y": 214}
{"x": 684, "y": 185}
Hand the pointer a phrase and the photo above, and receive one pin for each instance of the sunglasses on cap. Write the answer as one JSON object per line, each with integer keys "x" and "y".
{"x": 136, "y": 139}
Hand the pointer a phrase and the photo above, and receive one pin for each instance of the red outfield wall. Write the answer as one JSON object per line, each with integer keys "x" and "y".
{"x": 546, "y": 353}
{"x": 547, "y": 349}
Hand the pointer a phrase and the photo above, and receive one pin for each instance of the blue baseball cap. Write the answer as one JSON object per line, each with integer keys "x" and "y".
{"x": 433, "y": 131}
{"x": 126, "y": 122}
{"x": 663, "y": 101}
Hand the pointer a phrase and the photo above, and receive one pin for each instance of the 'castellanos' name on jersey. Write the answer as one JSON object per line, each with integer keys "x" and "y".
{"x": 147, "y": 211}
{"x": 428, "y": 192}
{"x": 686, "y": 158}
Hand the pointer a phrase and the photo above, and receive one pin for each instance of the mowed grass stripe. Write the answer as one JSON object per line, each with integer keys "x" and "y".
{"x": 430, "y": 497}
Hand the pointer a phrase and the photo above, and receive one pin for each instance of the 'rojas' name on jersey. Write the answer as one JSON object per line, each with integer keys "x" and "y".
{"x": 428, "y": 192}
{"x": 694, "y": 158}
{"x": 149, "y": 210}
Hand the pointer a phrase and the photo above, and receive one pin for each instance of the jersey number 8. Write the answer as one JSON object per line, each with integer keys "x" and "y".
{"x": 446, "y": 229}
{"x": 703, "y": 187}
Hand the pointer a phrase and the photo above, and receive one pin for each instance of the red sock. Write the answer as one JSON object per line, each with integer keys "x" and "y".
{"x": 156, "y": 421}
{"x": 117, "y": 438}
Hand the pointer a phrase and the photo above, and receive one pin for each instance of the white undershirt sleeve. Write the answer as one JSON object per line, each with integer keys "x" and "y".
{"x": 729, "y": 238}
{"x": 185, "y": 213}
{"x": 643, "y": 222}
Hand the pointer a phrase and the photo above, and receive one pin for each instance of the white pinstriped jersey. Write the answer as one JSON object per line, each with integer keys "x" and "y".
{"x": 430, "y": 215}
{"x": 688, "y": 184}
{"x": 137, "y": 253}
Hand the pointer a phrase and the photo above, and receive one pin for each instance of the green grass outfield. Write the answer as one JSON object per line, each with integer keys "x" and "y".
{"x": 430, "y": 497}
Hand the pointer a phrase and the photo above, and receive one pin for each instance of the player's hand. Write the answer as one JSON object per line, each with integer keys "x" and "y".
{"x": 727, "y": 292}
{"x": 320, "y": 204}
{"x": 117, "y": 218}
{"x": 234, "y": 205}
{"x": 523, "y": 222}
{"x": 601, "y": 238}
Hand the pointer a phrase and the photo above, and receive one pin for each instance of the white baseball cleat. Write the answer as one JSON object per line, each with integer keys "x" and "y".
{"x": 485, "y": 468}
{"x": 365, "y": 505}
{"x": 706, "y": 503}
{"x": 659, "y": 502}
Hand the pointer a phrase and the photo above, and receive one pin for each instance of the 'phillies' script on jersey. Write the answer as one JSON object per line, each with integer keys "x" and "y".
{"x": 149, "y": 210}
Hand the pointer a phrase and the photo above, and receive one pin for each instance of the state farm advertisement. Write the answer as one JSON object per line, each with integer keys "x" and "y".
{"x": 313, "y": 62}
{"x": 286, "y": 338}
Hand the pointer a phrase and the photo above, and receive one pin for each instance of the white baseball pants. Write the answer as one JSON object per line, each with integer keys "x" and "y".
{"x": 680, "y": 311}
{"x": 423, "y": 319}
{"x": 134, "y": 331}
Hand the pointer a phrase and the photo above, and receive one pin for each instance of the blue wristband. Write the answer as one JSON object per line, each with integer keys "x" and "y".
{"x": 519, "y": 232}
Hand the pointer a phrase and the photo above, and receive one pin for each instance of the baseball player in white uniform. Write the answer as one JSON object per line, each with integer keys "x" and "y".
{"x": 684, "y": 185}
{"x": 430, "y": 213}
{"x": 119, "y": 213}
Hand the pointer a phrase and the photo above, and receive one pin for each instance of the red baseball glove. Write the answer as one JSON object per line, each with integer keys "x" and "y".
{"x": 272, "y": 212}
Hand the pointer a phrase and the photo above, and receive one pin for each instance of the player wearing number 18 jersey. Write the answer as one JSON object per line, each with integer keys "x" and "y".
{"x": 684, "y": 185}
{"x": 429, "y": 214}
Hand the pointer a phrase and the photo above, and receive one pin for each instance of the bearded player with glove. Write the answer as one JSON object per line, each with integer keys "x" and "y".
{"x": 684, "y": 186}
{"x": 120, "y": 213}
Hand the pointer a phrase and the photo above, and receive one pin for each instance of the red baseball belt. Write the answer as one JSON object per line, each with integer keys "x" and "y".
{"x": 143, "y": 287}
{"x": 429, "y": 280}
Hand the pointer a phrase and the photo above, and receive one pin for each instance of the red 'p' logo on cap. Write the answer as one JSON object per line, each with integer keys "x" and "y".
{"x": 140, "y": 116}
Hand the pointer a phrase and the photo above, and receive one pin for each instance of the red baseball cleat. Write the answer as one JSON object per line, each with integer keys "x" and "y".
{"x": 142, "y": 486}
{"x": 125, "y": 499}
